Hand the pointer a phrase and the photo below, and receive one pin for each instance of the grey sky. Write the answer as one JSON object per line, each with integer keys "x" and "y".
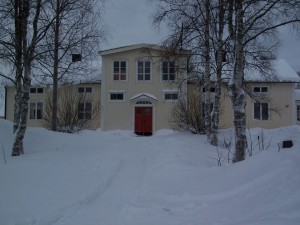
{"x": 130, "y": 22}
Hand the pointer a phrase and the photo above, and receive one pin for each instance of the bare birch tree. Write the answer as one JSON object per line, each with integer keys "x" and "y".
{"x": 190, "y": 24}
{"x": 22, "y": 31}
{"x": 252, "y": 26}
{"x": 71, "y": 44}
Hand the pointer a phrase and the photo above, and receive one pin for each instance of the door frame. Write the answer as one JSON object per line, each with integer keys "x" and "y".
{"x": 143, "y": 100}
{"x": 143, "y": 106}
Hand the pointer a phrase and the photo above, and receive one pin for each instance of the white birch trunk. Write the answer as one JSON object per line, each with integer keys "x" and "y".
{"x": 207, "y": 82}
{"x": 216, "y": 109}
{"x": 237, "y": 93}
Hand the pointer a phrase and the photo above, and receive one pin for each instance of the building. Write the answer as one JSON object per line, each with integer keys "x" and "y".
{"x": 84, "y": 97}
{"x": 140, "y": 87}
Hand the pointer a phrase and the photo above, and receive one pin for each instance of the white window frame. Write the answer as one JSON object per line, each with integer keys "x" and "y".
{"x": 119, "y": 73}
{"x": 110, "y": 92}
{"x": 261, "y": 111}
{"x": 261, "y": 89}
{"x": 85, "y": 89}
{"x": 84, "y": 111}
{"x": 35, "y": 110}
{"x": 144, "y": 72}
{"x": 36, "y": 90}
{"x": 170, "y": 92}
{"x": 168, "y": 73}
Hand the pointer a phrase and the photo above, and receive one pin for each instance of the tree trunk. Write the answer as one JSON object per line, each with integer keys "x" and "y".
{"x": 220, "y": 54}
{"x": 237, "y": 93}
{"x": 55, "y": 67}
{"x": 20, "y": 132}
{"x": 27, "y": 57}
{"x": 18, "y": 62}
{"x": 207, "y": 84}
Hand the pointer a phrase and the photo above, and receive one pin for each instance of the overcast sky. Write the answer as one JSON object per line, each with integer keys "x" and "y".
{"x": 129, "y": 22}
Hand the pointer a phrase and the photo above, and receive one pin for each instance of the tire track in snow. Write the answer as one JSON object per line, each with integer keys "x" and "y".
{"x": 59, "y": 217}
{"x": 119, "y": 193}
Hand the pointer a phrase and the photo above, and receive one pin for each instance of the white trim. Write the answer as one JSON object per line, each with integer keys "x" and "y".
{"x": 153, "y": 116}
{"x": 137, "y": 70}
{"x": 112, "y": 69}
{"x": 165, "y": 91}
{"x": 36, "y": 102}
{"x": 116, "y": 92}
{"x": 260, "y": 89}
{"x": 269, "y": 113}
{"x": 161, "y": 71}
{"x": 143, "y": 96}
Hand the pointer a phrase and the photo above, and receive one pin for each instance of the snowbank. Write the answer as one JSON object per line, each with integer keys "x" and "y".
{"x": 116, "y": 178}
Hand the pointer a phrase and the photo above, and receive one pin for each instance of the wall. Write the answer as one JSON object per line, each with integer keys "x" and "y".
{"x": 120, "y": 115}
{"x": 42, "y": 97}
{"x": 282, "y": 105}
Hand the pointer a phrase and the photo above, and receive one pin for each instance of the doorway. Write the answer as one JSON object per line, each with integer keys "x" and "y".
{"x": 143, "y": 121}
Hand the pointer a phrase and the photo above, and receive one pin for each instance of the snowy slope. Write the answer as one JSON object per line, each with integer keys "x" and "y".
{"x": 116, "y": 178}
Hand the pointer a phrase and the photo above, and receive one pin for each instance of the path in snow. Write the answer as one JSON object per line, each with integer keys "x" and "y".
{"x": 105, "y": 204}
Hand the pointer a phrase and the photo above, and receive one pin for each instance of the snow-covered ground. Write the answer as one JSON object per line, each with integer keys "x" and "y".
{"x": 116, "y": 178}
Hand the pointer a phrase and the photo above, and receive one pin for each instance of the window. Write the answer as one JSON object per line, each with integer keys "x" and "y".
{"x": 85, "y": 111}
{"x": 143, "y": 70}
{"x": 117, "y": 96}
{"x": 36, "y": 90}
{"x": 211, "y": 107}
{"x": 120, "y": 70}
{"x": 212, "y": 89}
{"x": 76, "y": 57}
{"x": 298, "y": 112}
{"x": 169, "y": 96}
{"x": 84, "y": 89}
{"x": 36, "y": 110}
{"x": 260, "y": 89}
{"x": 261, "y": 111}
{"x": 143, "y": 103}
{"x": 168, "y": 71}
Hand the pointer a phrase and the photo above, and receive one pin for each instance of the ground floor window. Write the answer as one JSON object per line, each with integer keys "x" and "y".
{"x": 261, "y": 111}
{"x": 298, "y": 112}
{"x": 36, "y": 110}
{"x": 211, "y": 107}
{"x": 85, "y": 111}
{"x": 117, "y": 96}
{"x": 171, "y": 95}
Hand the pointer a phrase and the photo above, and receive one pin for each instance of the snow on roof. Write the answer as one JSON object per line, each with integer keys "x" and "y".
{"x": 281, "y": 72}
{"x": 143, "y": 95}
{"x": 129, "y": 47}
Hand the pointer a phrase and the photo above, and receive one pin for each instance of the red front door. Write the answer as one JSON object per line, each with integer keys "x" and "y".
{"x": 143, "y": 121}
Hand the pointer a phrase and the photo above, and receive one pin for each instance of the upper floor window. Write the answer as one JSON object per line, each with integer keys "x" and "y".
{"x": 298, "y": 112}
{"x": 168, "y": 71}
{"x": 120, "y": 70}
{"x": 85, "y": 110}
{"x": 36, "y": 110}
{"x": 261, "y": 111}
{"x": 36, "y": 90}
{"x": 85, "y": 89}
{"x": 260, "y": 89}
{"x": 212, "y": 89}
{"x": 144, "y": 70}
{"x": 76, "y": 58}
